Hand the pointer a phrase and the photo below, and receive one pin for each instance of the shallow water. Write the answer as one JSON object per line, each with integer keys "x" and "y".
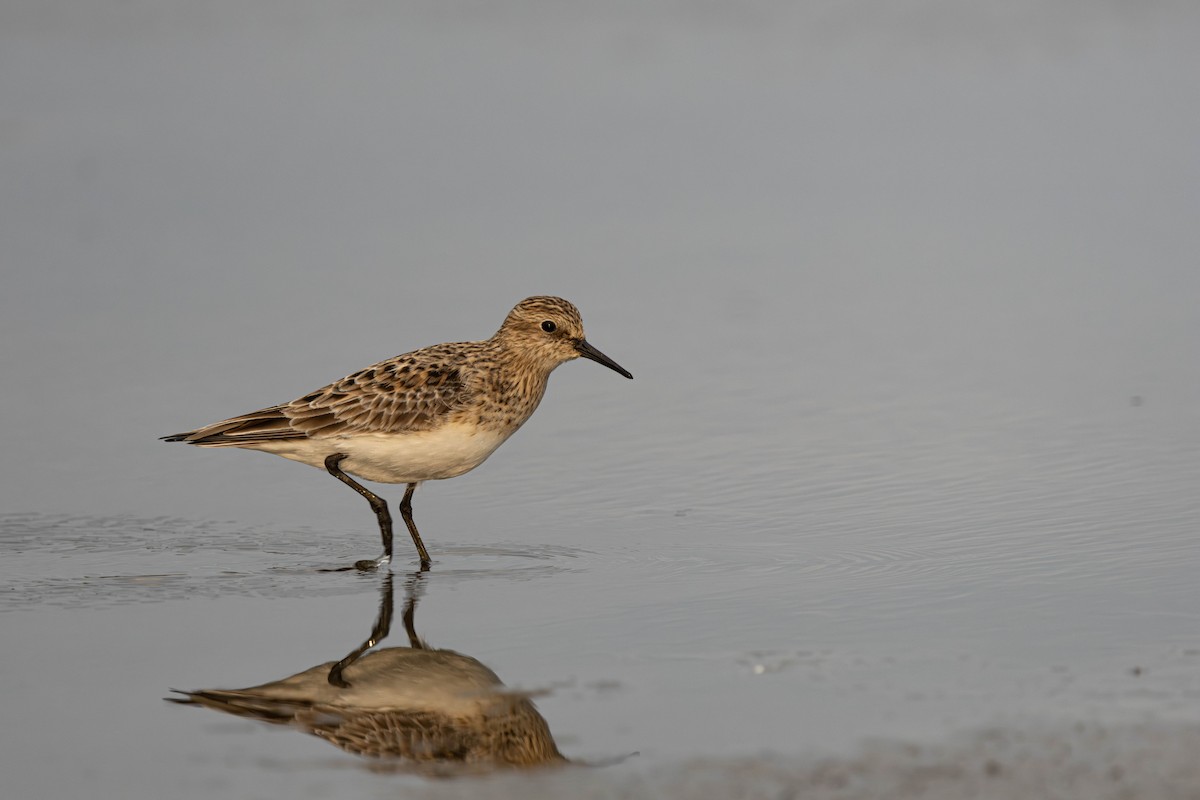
{"x": 901, "y": 502}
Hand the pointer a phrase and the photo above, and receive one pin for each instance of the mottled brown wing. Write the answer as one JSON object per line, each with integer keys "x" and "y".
{"x": 412, "y": 392}
{"x": 414, "y": 734}
{"x": 393, "y": 396}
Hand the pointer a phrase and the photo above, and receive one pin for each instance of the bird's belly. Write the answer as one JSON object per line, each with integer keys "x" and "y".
{"x": 446, "y": 452}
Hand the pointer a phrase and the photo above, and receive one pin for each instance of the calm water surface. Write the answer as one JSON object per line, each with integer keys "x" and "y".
{"x": 901, "y": 502}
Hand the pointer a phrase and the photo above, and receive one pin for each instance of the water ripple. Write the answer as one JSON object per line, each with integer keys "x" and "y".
{"x": 79, "y": 561}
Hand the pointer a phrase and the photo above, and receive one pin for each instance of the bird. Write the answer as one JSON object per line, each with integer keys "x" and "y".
{"x": 430, "y": 414}
{"x": 435, "y": 708}
{"x": 429, "y": 709}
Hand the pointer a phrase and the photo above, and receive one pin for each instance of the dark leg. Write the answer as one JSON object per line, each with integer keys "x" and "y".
{"x": 377, "y": 505}
{"x": 413, "y": 593}
{"x": 383, "y": 624}
{"x": 406, "y": 514}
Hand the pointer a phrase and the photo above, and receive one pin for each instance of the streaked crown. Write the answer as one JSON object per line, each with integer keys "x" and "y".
{"x": 536, "y": 310}
{"x": 545, "y": 329}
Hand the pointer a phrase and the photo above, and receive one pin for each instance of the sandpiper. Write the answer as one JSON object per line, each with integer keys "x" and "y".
{"x": 437, "y": 711}
{"x": 431, "y": 414}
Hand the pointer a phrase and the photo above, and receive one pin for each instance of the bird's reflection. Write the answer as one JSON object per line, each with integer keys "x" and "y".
{"x": 424, "y": 709}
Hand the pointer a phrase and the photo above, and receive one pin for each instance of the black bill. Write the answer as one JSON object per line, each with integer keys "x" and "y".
{"x": 587, "y": 351}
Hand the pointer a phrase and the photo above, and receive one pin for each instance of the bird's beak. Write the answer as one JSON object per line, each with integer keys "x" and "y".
{"x": 587, "y": 351}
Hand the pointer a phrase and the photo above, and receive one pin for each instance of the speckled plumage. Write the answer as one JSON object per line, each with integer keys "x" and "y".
{"x": 431, "y": 414}
{"x": 432, "y": 709}
{"x": 428, "y": 707}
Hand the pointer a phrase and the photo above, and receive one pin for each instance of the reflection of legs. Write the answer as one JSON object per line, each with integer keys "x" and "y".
{"x": 378, "y": 506}
{"x": 413, "y": 592}
{"x": 383, "y": 624}
{"x": 406, "y": 514}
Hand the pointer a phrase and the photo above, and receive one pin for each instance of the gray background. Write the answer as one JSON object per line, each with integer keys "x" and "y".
{"x": 910, "y": 295}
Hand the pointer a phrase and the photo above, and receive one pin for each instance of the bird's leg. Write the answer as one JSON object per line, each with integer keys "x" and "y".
{"x": 377, "y": 505}
{"x": 383, "y": 624}
{"x": 412, "y": 594}
{"x": 406, "y": 514}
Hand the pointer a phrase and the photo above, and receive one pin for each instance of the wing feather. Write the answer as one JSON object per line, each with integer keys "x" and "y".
{"x": 412, "y": 392}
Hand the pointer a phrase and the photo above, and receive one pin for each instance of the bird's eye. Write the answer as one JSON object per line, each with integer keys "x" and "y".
{"x": 548, "y": 326}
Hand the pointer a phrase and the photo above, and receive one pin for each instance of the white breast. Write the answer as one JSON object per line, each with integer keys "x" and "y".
{"x": 446, "y": 452}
